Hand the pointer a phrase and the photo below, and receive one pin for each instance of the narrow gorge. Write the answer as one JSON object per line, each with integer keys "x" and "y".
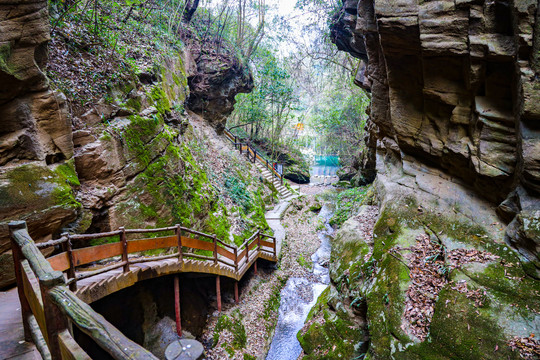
{"x": 367, "y": 168}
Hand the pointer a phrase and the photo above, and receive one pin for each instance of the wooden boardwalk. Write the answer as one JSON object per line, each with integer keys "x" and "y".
{"x": 12, "y": 344}
{"x": 42, "y": 283}
{"x": 93, "y": 288}
{"x": 48, "y": 306}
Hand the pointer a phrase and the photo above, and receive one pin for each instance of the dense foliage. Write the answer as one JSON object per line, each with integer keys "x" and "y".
{"x": 304, "y": 97}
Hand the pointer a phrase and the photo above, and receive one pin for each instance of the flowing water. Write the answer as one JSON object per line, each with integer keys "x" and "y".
{"x": 299, "y": 295}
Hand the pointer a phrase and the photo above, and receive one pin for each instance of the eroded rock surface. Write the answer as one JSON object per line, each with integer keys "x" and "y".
{"x": 36, "y": 178}
{"x": 455, "y": 85}
{"x": 219, "y": 76}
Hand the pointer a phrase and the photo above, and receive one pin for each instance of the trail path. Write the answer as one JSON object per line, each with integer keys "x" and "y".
{"x": 12, "y": 344}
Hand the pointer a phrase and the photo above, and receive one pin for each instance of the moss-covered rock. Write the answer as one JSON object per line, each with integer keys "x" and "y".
{"x": 460, "y": 329}
{"x": 331, "y": 334}
{"x": 170, "y": 187}
{"x": 43, "y": 196}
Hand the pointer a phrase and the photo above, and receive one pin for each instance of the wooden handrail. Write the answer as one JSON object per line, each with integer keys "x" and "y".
{"x": 47, "y": 305}
{"x": 195, "y": 232}
{"x": 93, "y": 324}
{"x": 142, "y": 231}
{"x": 256, "y": 155}
{"x": 95, "y": 236}
{"x": 49, "y": 243}
{"x": 69, "y": 261}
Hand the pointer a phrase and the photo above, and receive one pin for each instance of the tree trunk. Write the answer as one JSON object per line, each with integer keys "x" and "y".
{"x": 189, "y": 10}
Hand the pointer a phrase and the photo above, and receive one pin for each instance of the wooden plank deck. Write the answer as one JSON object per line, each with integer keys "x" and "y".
{"x": 12, "y": 344}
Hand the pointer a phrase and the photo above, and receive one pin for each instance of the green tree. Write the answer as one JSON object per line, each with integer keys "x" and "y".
{"x": 270, "y": 107}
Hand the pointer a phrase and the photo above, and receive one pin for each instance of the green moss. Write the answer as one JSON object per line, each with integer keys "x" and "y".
{"x": 5, "y": 54}
{"x": 336, "y": 337}
{"x": 272, "y": 305}
{"x": 235, "y": 326}
{"x": 347, "y": 204}
{"x": 105, "y": 136}
{"x": 134, "y": 103}
{"x": 40, "y": 187}
{"x": 459, "y": 329}
{"x": 137, "y": 136}
{"x": 174, "y": 187}
{"x": 161, "y": 101}
{"x": 348, "y": 255}
{"x": 66, "y": 173}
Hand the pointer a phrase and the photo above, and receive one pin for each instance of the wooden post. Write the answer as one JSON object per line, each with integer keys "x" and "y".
{"x": 68, "y": 247}
{"x": 55, "y": 321}
{"x": 236, "y": 259}
{"x": 177, "y": 306}
{"x": 247, "y": 252}
{"x": 236, "y": 292}
{"x": 17, "y": 257}
{"x": 274, "y": 247}
{"x": 215, "y": 249}
{"x": 255, "y": 266}
{"x": 123, "y": 239}
{"x": 218, "y": 293}
{"x": 259, "y": 240}
{"x": 179, "y": 239}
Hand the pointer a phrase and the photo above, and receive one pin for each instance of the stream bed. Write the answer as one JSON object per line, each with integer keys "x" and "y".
{"x": 300, "y": 294}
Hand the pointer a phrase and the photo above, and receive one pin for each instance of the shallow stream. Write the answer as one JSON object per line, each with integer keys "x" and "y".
{"x": 299, "y": 295}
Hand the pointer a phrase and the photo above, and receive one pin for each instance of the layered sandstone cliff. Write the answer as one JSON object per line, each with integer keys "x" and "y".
{"x": 455, "y": 86}
{"x": 36, "y": 176}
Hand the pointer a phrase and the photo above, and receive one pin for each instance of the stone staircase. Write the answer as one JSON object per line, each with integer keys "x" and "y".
{"x": 261, "y": 162}
{"x": 284, "y": 192}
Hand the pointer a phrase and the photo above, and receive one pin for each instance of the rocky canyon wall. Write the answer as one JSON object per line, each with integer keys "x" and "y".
{"x": 36, "y": 148}
{"x": 455, "y": 88}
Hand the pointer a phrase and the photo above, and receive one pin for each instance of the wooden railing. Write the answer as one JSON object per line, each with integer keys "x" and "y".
{"x": 48, "y": 305}
{"x": 253, "y": 155}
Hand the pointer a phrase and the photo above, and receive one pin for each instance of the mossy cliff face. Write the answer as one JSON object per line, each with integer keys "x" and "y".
{"x": 148, "y": 169}
{"x": 455, "y": 85}
{"x": 460, "y": 328}
{"x": 36, "y": 180}
{"x": 454, "y": 138}
{"x": 129, "y": 158}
